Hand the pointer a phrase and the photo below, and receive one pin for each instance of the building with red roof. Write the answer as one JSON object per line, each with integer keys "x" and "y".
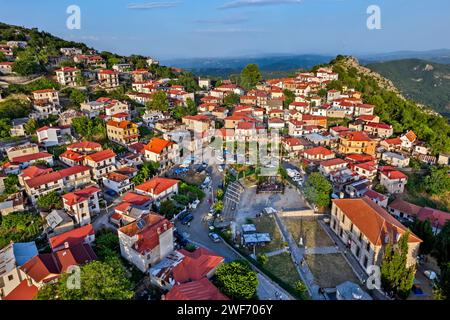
{"x": 394, "y": 180}
{"x": 82, "y": 235}
{"x": 24, "y": 291}
{"x": 357, "y": 142}
{"x": 368, "y": 228}
{"x": 328, "y": 166}
{"x": 318, "y": 153}
{"x": 30, "y": 159}
{"x": 101, "y": 163}
{"x": 158, "y": 188}
{"x": 68, "y": 76}
{"x": 82, "y": 204}
{"x": 165, "y": 152}
{"x": 108, "y": 79}
{"x": 85, "y": 147}
{"x": 146, "y": 241}
{"x": 201, "y": 289}
{"x": 71, "y": 158}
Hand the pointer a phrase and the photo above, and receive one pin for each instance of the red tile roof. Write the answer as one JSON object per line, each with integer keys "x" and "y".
{"x": 333, "y": 162}
{"x": 85, "y": 145}
{"x": 34, "y": 171}
{"x": 356, "y": 136}
{"x": 437, "y": 218}
{"x": 136, "y": 199}
{"x": 405, "y": 207}
{"x": 157, "y": 185}
{"x": 196, "y": 265}
{"x": 157, "y": 145}
{"x": 42, "y": 268}
{"x": 197, "y": 290}
{"x": 72, "y": 155}
{"x": 101, "y": 155}
{"x": 319, "y": 150}
{"x": 73, "y": 237}
{"x": 79, "y": 195}
{"x": 30, "y": 157}
{"x": 373, "y": 221}
{"x": 23, "y": 291}
{"x": 148, "y": 236}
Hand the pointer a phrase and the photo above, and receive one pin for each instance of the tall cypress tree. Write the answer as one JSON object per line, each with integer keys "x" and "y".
{"x": 396, "y": 277}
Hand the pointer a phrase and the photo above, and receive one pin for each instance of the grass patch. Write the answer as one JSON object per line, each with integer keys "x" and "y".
{"x": 330, "y": 270}
{"x": 282, "y": 266}
{"x": 311, "y": 231}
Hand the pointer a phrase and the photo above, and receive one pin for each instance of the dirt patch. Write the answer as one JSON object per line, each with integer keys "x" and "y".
{"x": 330, "y": 270}
{"x": 282, "y": 266}
{"x": 310, "y": 230}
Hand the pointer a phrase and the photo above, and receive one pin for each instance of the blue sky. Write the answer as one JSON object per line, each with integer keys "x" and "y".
{"x": 220, "y": 28}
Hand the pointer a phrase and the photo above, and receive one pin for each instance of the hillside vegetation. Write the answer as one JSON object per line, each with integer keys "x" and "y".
{"x": 425, "y": 82}
{"x": 391, "y": 106}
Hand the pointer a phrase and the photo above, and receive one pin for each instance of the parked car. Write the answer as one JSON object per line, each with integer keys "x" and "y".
{"x": 111, "y": 193}
{"x": 220, "y": 168}
{"x": 195, "y": 204}
{"x": 187, "y": 219}
{"x": 214, "y": 237}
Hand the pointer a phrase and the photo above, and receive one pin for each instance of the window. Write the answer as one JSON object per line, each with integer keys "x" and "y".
{"x": 368, "y": 246}
{"x": 10, "y": 277}
{"x": 343, "y": 218}
{"x": 351, "y": 227}
{"x": 366, "y": 261}
{"x": 360, "y": 237}
{"x": 358, "y": 252}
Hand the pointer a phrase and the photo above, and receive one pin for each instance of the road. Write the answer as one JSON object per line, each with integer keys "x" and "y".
{"x": 197, "y": 233}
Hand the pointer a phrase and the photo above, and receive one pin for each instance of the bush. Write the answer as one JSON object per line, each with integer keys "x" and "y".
{"x": 237, "y": 280}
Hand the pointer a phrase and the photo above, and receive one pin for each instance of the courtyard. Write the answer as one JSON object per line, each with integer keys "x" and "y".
{"x": 309, "y": 229}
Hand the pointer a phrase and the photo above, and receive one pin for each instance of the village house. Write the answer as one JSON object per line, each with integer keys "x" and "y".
{"x": 85, "y": 147}
{"x": 68, "y": 76}
{"x": 101, "y": 163}
{"x": 381, "y": 130}
{"x": 146, "y": 241}
{"x": 92, "y": 109}
{"x": 132, "y": 208}
{"x": 356, "y": 142}
{"x": 46, "y": 96}
{"x": 328, "y": 166}
{"x": 6, "y": 67}
{"x": 65, "y": 179}
{"x": 367, "y": 228}
{"x": 123, "y": 132}
{"x": 53, "y": 136}
{"x": 165, "y": 152}
{"x": 66, "y": 117}
{"x": 120, "y": 183}
{"x": 395, "y": 159}
{"x": 158, "y": 188}
{"x": 408, "y": 140}
{"x": 82, "y": 204}
{"x": 376, "y": 197}
{"x": 318, "y": 153}
{"x": 393, "y": 180}
{"x": 12, "y": 279}
{"x": 30, "y": 159}
{"x": 18, "y": 127}
{"x": 108, "y": 79}
{"x": 201, "y": 289}
{"x": 22, "y": 150}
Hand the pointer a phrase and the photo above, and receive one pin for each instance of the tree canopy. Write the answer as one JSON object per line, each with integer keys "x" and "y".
{"x": 19, "y": 227}
{"x": 99, "y": 280}
{"x": 237, "y": 280}
{"x": 49, "y": 201}
{"x": 318, "y": 190}
{"x": 396, "y": 276}
{"x": 250, "y": 76}
{"x": 159, "y": 102}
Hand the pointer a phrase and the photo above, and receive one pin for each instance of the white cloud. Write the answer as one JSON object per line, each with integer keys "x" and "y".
{"x": 153, "y": 5}
{"x": 229, "y": 30}
{"x": 256, "y": 3}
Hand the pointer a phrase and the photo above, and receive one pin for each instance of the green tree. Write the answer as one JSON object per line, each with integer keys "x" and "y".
{"x": 231, "y": 100}
{"x": 262, "y": 259}
{"x": 31, "y": 126}
{"x": 106, "y": 244}
{"x": 250, "y": 76}
{"x": 424, "y": 231}
{"x": 318, "y": 190}
{"x": 26, "y": 67}
{"x": 77, "y": 97}
{"x": 301, "y": 289}
{"x": 100, "y": 280}
{"x": 51, "y": 200}
{"x": 19, "y": 227}
{"x": 220, "y": 193}
{"x": 11, "y": 182}
{"x": 148, "y": 170}
{"x": 396, "y": 276}
{"x": 159, "y": 102}
{"x": 168, "y": 209}
{"x": 442, "y": 291}
{"x": 5, "y": 127}
{"x": 441, "y": 249}
{"x": 218, "y": 206}
{"x": 289, "y": 97}
{"x": 237, "y": 280}
{"x": 438, "y": 181}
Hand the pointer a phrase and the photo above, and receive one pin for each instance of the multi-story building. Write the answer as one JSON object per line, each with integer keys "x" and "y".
{"x": 68, "y": 76}
{"x": 356, "y": 142}
{"x": 146, "y": 241}
{"x": 123, "y": 132}
{"x": 47, "y": 96}
{"x": 118, "y": 182}
{"x": 393, "y": 180}
{"x": 65, "y": 179}
{"x": 108, "y": 79}
{"x": 101, "y": 163}
{"x": 367, "y": 228}
{"x": 53, "y": 136}
{"x": 22, "y": 150}
{"x": 158, "y": 188}
{"x": 165, "y": 152}
{"x": 82, "y": 204}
